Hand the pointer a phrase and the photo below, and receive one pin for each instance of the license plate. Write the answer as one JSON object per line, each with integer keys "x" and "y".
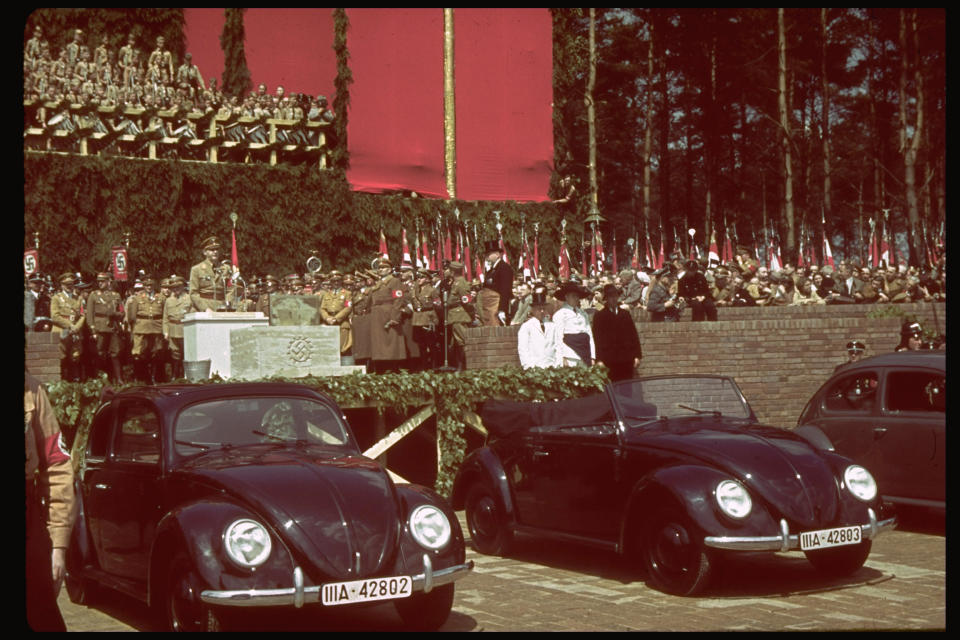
{"x": 368, "y": 590}
{"x": 836, "y": 537}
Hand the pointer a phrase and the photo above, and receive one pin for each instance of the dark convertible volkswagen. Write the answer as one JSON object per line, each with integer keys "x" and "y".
{"x": 204, "y": 500}
{"x": 668, "y": 471}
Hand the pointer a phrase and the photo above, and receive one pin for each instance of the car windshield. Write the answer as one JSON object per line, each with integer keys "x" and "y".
{"x": 673, "y": 397}
{"x": 249, "y": 420}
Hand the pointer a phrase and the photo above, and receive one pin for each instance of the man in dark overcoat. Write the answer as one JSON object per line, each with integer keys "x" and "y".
{"x": 615, "y": 336}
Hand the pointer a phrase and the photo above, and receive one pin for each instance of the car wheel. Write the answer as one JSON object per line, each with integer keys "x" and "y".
{"x": 426, "y": 611}
{"x": 182, "y": 605}
{"x": 80, "y": 590}
{"x": 487, "y": 522}
{"x": 840, "y": 561}
{"x": 675, "y": 559}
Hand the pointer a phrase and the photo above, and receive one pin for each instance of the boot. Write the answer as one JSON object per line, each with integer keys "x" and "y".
{"x": 117, "y": 371}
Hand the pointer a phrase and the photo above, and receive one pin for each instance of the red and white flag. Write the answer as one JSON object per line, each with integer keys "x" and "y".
{"x": 536, "y": 254}
{"x": 467, "y": 267}
{"x": 563, "y": 261}
{"x": 31, "y": 262}
{"x": 234, "y": 260}
{"x": 713, "y": 256}
{"x": 383, "y": 246}
{"x": 406, "y": 260}
{"x": 827, "y": 254}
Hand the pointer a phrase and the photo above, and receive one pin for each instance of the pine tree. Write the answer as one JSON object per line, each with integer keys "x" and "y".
{"x": 236, "y": 75}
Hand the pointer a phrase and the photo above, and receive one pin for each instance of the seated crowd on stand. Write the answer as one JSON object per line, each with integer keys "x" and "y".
{"x": 130, "y": 98}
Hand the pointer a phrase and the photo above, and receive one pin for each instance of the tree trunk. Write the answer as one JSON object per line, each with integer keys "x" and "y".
{"x": 910, "y": 145}
{"x": 785, "y": 133}
{"x": 591, "y": 112}
{"x": 825, "y": 116}
{"x": 648, "y": 134}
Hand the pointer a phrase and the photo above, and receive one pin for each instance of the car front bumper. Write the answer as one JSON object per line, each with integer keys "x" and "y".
{"x": 786, "y": 541}
{"x": 299, "y": 595}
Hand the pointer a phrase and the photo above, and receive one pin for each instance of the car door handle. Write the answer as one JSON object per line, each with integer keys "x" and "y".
{"x": 540, "y": 453}
{"x": 100, "y": 485}
{"x": 879, "y": 432}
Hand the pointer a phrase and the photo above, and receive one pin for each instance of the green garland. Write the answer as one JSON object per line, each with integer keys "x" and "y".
{"x": 340, "y": 156}
{"x": 453, "y": 394}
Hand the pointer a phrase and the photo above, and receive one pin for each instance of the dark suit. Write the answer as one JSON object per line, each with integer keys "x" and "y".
{"x": 498, "y": 279}
{"x": 617, "y": 341}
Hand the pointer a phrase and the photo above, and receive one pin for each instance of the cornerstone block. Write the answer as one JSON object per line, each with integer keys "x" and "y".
{"x": 287, "y": 351}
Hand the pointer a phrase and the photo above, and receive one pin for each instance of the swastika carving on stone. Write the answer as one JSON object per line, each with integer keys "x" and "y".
{"x": 300, "y": 350}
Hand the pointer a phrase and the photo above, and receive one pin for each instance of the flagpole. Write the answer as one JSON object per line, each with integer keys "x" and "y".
{"x": 449, "y": 105}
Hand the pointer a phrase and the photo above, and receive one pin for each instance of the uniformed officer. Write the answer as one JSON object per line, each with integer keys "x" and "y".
{"x": 104, "y": 311}
{"x": 335, "y": 309}
{"x": 66, "y": 313}
{"x": 263, "y": 301}
{"x": 387, "y": 347}
{"x": 425, "y": 320}
{"x": 459, "y": 314}
{"x": 174, "y": 309}
{"x": 146, "y": 314}
{"x": 208, "y": 279}
{"x": 49, "y": 507}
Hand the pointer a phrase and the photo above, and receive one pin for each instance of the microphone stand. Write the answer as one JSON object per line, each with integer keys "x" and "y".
{"x": 446, "y": 368}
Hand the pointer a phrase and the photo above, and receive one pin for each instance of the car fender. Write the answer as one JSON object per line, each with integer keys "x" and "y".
{"x": 412, "y": 496}
{"x": 691, "y": 487}
{"x": 197, "y": 530}
{"x": 815, "y": 436}
{"x": 484, "y": 466}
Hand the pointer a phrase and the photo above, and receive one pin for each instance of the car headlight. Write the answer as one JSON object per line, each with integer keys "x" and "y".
{"x": 860, "y": 482}
{"x": 247, "y": 543}
{"x": 733, "y": 498}
{"x": 430, "y": 527}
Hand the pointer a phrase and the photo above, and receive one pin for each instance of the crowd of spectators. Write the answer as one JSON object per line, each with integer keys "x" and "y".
{"x": 669, "y": 293}
{"x": 133, "y": 97}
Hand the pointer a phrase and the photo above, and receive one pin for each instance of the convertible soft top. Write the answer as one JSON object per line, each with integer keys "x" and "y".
{"x": 503, "y": 417}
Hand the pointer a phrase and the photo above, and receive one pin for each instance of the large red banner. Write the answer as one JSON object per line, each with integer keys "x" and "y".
{"x": 504, "y": 95}
{"x": 395, "y": 124}
{"x": 504, "y": 75}
{"x": 288, "y": 47}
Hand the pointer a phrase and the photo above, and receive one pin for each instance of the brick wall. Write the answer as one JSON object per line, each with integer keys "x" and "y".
{"x": 778, "y": 356}
{"x": 42, "y": 355}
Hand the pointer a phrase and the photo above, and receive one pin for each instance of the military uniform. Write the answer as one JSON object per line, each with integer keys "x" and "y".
{"x": 146, "y": 314}
{"x": 174, "y": 309}
{"x": 425, "y": 322}
{"x": 458, "y": 315}
{"x": 335, "y": 309}
{"x": 66, "y": 312}
{"x": 208, "y": 282}
{"x": 360, "y": 323}
{"x": 104, "y": 311}
{"x": 386, "y": 335}
{"x": 50, "y": 499}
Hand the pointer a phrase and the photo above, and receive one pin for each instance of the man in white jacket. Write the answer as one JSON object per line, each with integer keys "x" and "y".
{"x": 536, "y": 339}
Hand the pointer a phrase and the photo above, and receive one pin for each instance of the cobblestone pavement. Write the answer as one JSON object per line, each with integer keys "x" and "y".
{"x": 554, "y": 587}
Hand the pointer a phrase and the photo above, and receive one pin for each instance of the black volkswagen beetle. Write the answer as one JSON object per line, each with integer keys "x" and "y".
{"x": 668, "y": 471}
{"x": 204, "y": 500}
{"x": 888, "y": 413}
